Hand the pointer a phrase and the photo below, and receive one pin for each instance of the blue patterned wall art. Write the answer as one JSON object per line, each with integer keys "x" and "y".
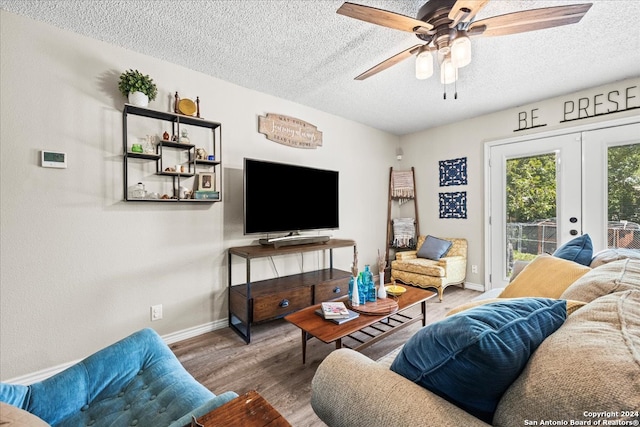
{"x": 453, "y": 172}
{"x": 453, "y": 205}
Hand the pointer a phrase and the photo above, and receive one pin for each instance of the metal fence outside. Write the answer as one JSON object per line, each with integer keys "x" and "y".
{"x": 541, "y": 237}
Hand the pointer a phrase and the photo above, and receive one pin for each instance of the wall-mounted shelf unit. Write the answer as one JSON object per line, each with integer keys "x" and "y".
{"x": 167, "y": 150}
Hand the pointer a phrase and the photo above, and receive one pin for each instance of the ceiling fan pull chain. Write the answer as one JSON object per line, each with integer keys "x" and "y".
{"x": 455, "y": 89}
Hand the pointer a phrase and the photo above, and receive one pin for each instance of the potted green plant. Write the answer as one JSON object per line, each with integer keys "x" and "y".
{"x": 138, "y": 87}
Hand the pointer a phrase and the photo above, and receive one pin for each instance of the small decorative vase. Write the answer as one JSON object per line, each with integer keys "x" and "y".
{"x": 355, "y": 297}
{"x": 148, "y": 145}
{"x": 138, "y": 99}
{"x": 184, "y": 137}
{"x": 382, "y": 292}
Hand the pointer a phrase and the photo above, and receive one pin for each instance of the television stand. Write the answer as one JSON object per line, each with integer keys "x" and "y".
{"x": 252, "y": 302}
{"x": 292, "y": 240}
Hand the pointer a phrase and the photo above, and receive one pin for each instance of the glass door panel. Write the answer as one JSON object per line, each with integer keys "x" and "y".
{"x": 531, "y": 207}
{"x": 612, "y": 183}
{"x": 623, "y": 196}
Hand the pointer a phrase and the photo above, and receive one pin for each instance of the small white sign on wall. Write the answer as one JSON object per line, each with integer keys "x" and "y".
{"x": 289, "y": 131}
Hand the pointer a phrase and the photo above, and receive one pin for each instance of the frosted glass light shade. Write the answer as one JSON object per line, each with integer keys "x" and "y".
{"x": 448, "y": 72}
{"x": 424, "y": 65}
{"x": 461, "y": 51}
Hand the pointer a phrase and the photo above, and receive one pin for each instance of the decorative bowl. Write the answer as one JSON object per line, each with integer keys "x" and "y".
{"x": 395, "y": 290}
{"x": 187, "y": 107}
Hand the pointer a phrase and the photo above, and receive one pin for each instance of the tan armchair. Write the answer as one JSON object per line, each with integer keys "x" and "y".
{"x": 426, "y": 273}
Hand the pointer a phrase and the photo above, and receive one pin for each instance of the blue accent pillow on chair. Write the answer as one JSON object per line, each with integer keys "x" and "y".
{"x": 434, "y": 248}
{"x": 472, "y": 357}
{"x": 579, "y": 250}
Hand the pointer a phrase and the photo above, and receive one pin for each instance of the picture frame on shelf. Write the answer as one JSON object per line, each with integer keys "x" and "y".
{"x": 206, "y": 181}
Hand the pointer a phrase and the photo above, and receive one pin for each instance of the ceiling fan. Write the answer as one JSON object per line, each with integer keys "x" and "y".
{"x": 445, "y": 27}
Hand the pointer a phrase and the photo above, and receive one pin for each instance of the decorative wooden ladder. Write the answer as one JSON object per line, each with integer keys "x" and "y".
{"x": 389, "y": 243}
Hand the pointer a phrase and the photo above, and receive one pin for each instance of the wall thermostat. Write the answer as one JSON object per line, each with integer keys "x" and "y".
{"x": 53, "y": 159}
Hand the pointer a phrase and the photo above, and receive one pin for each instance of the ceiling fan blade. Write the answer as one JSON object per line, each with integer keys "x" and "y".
{"x": 529, "y": 20}
{"x": 390, "y": 62}
{"x": 384, "y": 18}
{"x": 465, "y": 10}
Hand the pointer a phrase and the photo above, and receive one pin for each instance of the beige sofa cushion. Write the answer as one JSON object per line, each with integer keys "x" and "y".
{"x": 608, "y": 278}
{"x": 546, "y": 276}
{"x": 14, "y": 416}
{"x": 425, "y": 266}
{"x": 592, "y": 363}
{"x": 613, "y": 254}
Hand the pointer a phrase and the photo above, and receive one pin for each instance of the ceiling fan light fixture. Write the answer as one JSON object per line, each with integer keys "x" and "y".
{"x": 444, "y": 27}
{"x": 461, "y": 51}
{"x": 448, "y": 71}
{"x": 424, "y": 65}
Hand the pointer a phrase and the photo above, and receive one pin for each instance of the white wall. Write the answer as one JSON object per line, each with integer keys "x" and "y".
{"x": 468, "y": 138}
{"x": 80, "y": 268}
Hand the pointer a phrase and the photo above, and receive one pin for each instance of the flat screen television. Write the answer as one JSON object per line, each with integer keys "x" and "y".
{"x": 281, "y": 198}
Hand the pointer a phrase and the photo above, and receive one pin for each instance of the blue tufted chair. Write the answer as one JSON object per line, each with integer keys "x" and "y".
{"x": 137, "y": 381}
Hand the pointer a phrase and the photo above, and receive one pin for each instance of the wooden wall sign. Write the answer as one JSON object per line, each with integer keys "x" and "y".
{"x": 289, "y": 131}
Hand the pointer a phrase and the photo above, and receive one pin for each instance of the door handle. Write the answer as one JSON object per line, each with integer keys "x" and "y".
{"x": 573, "y": 232}
{"x": 573, "y": 220}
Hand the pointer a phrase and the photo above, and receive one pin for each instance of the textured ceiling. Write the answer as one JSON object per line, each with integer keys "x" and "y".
{"x": 301, "y": 50}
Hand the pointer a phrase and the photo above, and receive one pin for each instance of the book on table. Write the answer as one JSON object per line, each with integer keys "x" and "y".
{"x": 334, "y": 310}
{"x": 339, "y": 321}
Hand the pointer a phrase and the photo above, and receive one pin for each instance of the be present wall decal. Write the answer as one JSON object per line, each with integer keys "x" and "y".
{"x": 289, "y": 131}
{"x": 585, "y": 107}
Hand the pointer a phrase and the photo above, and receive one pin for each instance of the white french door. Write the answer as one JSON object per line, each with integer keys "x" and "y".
{"x": 544, "y": 192}
{"x": 521, "y": 173}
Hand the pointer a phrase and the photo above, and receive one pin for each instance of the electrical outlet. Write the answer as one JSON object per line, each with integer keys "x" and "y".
{"x": 474, "y": 269}
{"x": 156, "y": 312}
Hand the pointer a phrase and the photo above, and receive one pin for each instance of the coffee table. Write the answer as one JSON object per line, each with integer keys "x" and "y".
{"x": 370, "y": 328}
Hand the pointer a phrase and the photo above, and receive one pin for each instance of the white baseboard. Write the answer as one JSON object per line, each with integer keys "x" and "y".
{"x": 474, "y": 286}
{"x": 174, "y": 337}
{"x": 195, "y": 331}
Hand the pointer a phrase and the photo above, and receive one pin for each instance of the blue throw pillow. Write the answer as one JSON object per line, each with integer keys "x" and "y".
{"x": 472, "y": 357}
{"x": 434, "y": 248}
{"x": 579, "y": 250}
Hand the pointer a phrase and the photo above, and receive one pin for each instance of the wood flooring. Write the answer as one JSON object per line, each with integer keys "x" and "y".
{"x": 272, "y": 362}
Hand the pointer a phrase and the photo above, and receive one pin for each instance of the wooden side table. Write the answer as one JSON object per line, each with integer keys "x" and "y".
{"x": 248, "y": 410}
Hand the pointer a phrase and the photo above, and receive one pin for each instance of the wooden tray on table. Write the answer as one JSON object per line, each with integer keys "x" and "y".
{"x": 380, "y": 307}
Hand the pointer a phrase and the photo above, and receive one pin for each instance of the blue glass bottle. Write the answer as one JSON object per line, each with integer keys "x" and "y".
{"x": 362, "y": 288}
{"x": 370, "y": 284}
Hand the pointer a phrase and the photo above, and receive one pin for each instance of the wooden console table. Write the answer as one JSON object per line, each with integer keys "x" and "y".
{"x": 248, "y": 410}
{"x": 264, "y": 300}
